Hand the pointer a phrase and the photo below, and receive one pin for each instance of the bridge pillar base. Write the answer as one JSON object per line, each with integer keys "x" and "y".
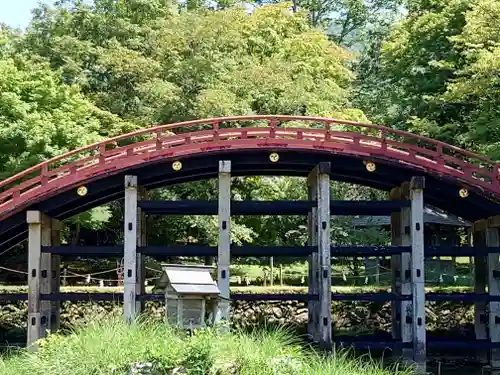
{"x": 224, "y": 246}
{"x": 135, "y": 234}
{"x": 493, "y": 240}
{"x": 396, "y": 240}
{"x": 418, "y": 274}
{"x": 313, "y": 261}
{"x": 321, "y": 268}
{"x": 43, "y": 277}
{"x": 55, "y": 287}
{"x": 131, "y": 233}
{"x": 480, "y": 283}
{"x": 487, "y": 271}
{"x": 405, "y": 277}
{"x": 140, "y": 285}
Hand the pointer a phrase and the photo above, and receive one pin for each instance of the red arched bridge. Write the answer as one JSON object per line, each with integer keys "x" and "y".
{"x": 301, "y": 142}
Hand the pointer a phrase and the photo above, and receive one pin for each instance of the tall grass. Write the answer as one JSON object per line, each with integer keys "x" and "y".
{"x": 111, "y": 347}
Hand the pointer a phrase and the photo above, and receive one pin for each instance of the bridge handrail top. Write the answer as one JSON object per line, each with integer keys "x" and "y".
{"x": 158, "y": 128}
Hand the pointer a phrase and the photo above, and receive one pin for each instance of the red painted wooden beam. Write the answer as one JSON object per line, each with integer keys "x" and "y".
{"x": 266, "y": 132}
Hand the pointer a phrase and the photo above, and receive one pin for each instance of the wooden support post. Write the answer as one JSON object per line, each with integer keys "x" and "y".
{"x": 313, "y": 260}
{"x": 480, "y": 282}
{"x": 396, "y": 239}
{"x": 417, "y": 273}
{"x": 55, "y": 316}
{"x": 406, "y": 306}
{"x": 34, "y": 220}
{"x": 377, "y": 270}
{"x": 140, "y": 286}
{"x": 324, "y": 254}
{"x": 45, "y": 276}
{"x": 271, "y": 271}
{"x": 65, "y": 276}
{"x": 492, "y": 240}
{"x": 223, "y": 256}
{"x": 130, "y": 249}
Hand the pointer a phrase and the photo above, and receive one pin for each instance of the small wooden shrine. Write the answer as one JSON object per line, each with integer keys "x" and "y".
{"x": 191, "y": 295}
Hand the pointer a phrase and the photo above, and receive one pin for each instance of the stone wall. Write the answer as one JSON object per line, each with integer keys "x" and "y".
{"x": 355, "y": 317}
{"x": 352, "y": 317}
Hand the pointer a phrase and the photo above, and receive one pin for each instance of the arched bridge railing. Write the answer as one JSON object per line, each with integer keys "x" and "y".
{"x": 240, "y": 132}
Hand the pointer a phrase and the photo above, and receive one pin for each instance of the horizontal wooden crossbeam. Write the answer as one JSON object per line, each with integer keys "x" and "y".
{"x": 258, "y": 251}
{"x": 373, "y": 342}
{"x": 349, "y": 208}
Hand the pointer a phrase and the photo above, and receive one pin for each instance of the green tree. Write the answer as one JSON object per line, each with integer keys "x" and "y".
{"x": 194, "y": 64}
{"x": 41, "y": 117}
{"x": 476, "y": 85}
{"x": 104, "y": 47}
{"x": 437, "y": 74}
{"x": 417, "y": 59}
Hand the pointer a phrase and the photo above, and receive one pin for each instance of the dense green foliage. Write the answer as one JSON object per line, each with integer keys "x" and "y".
{"x": 436, "y": 73}
{"x": 40, "y": 117}
{"x": 150, "y": 64}
{"x": 86, "y": 70}
{"x": 112, "y": 347}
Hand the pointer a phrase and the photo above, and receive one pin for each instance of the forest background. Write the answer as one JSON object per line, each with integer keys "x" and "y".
{"x": 83, "y": 71}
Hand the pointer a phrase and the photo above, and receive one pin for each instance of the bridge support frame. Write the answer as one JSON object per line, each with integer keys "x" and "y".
{"x": 408, "y": 273}
{"x": 224, "y": 246}
{"x": 480, "y": 283}
{"x": 142, "y": 240}
{"x": 417, "y": 186}
{"x": 493, "y": 263}
{"x": 135, "y": 234}
{"x": 396, "y": 240}
{"x": 55, "y": 311}
{"x": 43, "y": 277}
{"x": 313, "y": 261}
{"x": 321, "y": 265}
{"x": 405, "y": 276}
{"x": 487, "y": 274}
{"x": 131, "y": 233}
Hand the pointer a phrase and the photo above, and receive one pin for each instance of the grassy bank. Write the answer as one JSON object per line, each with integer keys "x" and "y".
{"x": 110, "y": 347}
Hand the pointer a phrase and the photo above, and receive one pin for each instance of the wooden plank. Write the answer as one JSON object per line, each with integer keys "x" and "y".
{"x": 492, "y": 239}
{"x": 34, "y": 220}
{"x": 130, "y": 249}
{"x": 396, "y": 269}
{"x": 224, "y": 246}
{"x": 281, "y": 207}
{"x": 418, "y": 274}
{"x": 480, "y": 282}
{"x": 313, "y": 260}
{"x": 55, "y": 317}
{"x": 494, "y": 222}
{"x": 45, "y": 276}
{"x": 140, "y": 287}
{"x": 406, "y": 305}
{"x": 323, "y": 224}
{"x": 249, "y": 250}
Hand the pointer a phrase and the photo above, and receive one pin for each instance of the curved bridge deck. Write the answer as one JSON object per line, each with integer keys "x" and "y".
{"x": 302, "y": 142}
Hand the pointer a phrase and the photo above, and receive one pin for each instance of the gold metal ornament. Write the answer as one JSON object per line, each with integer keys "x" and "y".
{"x": 370, "y": 166}
{"x": 274, "y": 157}
{"x": 82, "y": 191}
{"x": 176, "y": 165}
{"x": 464, "y": 193}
